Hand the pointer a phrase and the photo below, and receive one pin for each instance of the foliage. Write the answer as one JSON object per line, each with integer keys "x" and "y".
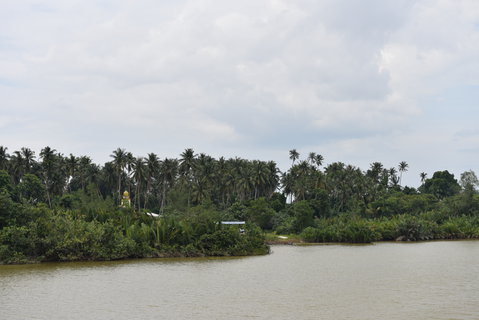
{"x": 260, "y": 212}
{"x": 404, "y": 227}
{"x": 58, "y": 208}
{"x": 353, "y": 230}
{"x": 63, "y": 235}
{"x": 30, "y": 189}
{"x": 442, "y": 184}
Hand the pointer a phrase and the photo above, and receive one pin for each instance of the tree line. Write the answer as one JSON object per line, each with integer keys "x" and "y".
{"x": 154, "y": 183}
{"x": 336, "y": 202}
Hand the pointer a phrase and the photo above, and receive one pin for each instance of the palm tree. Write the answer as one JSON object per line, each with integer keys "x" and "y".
{"x": 152, "y": 167}
{"x": 393, "y": 178}
{"x": 16, "y": 166}
{"x": 244, "y": 183}
{"x": 260, "y": 177}
{"x": 203, "y": 177}
{"x": 84, "y": 170}
{"x": 119, "y": 161}
{"x": 130, "y": 160}
{"x": 423, "y": 176}
{"x": 167, "y": 177}
{"x": 48, "y": 165}
{"x": 93, "y": 176}
{"x": 28, "y": 158}
{"x": 71, "y": 164}
{"x": 311, "y": 157}
{"x": 375, "y": 170}
{"x": 108, "y": 180}
{"x": 221, "y": 181}
{"x": 273, "y": 178}
{"x": 139, "y": 175}
{"x": 3, "y": 158}
{"x": 301, "y": 185}
{"x": 402, "y": 168}
{"x": 293, "y": 155}
{"x": 319, "y": 160}
{"x": 187, "y": 163}
{"x": 287, "y": 184}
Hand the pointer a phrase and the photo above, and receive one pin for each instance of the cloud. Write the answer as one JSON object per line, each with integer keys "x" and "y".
{"x": 251, "y": 77}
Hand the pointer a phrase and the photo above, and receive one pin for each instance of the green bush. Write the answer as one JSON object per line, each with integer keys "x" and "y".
{"x": 412, "y": 228}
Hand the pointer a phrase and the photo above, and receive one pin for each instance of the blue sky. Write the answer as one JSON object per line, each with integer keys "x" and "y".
{"x": 356, "y": 81}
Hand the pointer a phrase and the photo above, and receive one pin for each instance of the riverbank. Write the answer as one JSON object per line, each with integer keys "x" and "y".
{"x": 405, "y": 227}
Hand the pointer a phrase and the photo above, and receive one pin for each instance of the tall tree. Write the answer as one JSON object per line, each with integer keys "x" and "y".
{"x": 423, "y": 176}
{"x": 139, "y": 176}
{"x": 442, "y": 184}
{"x": 71, "y": 163}
{"x": 469, "y": 181}
{"x": 152, "y": 168}
{"x": 402, "y": 168}
{"x": 167, "y": 176}
{"x": 293, "y": 155}
{"x": 273, "y": 178}
{"x": 319, "y": 160}
{"x": 84, "y": 171}
{"x": 4, "y": 156}
{"x": 187, "y": 162}
{"x": 48, "y": 166}
{"x": 17, "y": 167}
{"x": 28, "y": 159}
{"x": 311, "y": 157}
{"x": 119, "y": 161}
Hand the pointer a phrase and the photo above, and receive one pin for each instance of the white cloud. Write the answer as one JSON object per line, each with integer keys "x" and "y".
{"x": 252, "y": 75}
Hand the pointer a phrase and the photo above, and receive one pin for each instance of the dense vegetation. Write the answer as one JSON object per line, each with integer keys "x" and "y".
{"x": 55, "y": 207}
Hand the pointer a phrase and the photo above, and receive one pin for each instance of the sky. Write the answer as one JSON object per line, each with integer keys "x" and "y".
{"x": 357, "y": 81}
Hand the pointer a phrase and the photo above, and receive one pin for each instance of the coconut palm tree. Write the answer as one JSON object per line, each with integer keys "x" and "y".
{"x": 152, "y": 167}
{"x": 4, "y": 156}
{"x": 375, "y": 170}
{"x": 48, "y": 166}
{"x": 119, "y": 161}
{"x": 139, "y": 175}
{"x": 273, "y": 178}
{"x": 393, "y": 178}
{"x": 293, "y": 155}
{"x": 71, "y": 164}
{"x": 260, "y": 177}
{"x": 221, "y": 181}
{"x": 311, "y": 157}
{"x": 203, "y": 177}
{"x": 167, "y": 177}
{"x": 84, "y": 169}
{"x": 28, "y": 159}
{"x": 423, "y": 176}
{"x": 402, "y": 168}
{"x": 16, "y": 166}
{"x": 319, "y": 160}
{"x": 108, "y": 185}
{"x": 130, "y": 162}
{"x": 187, "y": 163}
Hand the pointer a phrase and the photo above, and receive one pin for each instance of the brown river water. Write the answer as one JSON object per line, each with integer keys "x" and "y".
{"x": 428, "y": 280}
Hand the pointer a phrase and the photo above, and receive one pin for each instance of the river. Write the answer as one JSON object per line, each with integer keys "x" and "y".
{"x": 428, "y": 280}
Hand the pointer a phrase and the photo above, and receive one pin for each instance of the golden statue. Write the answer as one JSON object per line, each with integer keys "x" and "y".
{"x": 125, "y": 201}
